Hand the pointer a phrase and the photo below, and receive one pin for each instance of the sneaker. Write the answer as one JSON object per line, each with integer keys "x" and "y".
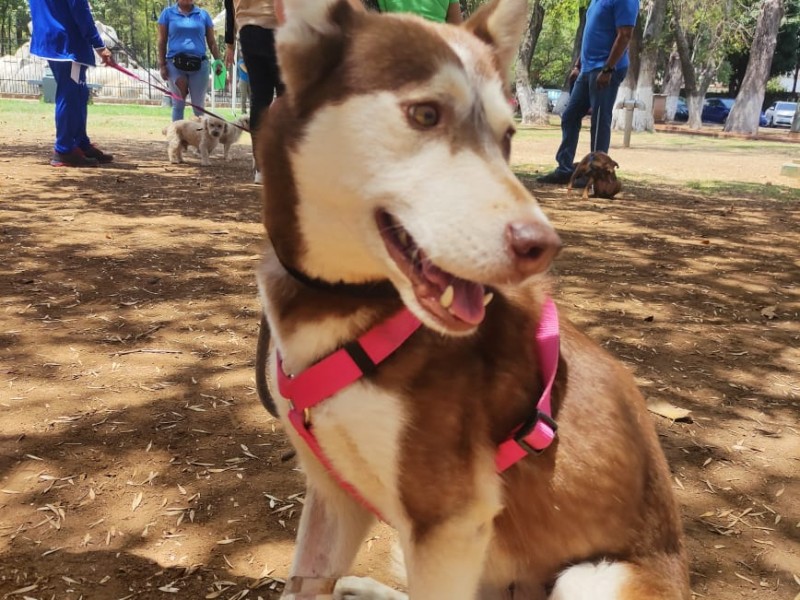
{"x": 257, "y": 178}
{"x": 556, "y": 177}
{"x": 73, "y": 158}
{"x": 94, "y": 152}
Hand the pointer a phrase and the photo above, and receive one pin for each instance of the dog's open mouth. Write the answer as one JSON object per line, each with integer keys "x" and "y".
{"x": 456, "y": 303}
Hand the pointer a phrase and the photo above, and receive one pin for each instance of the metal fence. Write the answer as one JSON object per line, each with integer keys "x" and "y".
{"x": 22, "y": 75}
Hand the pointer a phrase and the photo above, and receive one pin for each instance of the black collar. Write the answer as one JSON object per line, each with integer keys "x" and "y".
{"x": 370, "y": 289}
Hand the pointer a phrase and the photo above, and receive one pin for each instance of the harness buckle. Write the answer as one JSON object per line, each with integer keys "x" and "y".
{"x": 529, "y": 426}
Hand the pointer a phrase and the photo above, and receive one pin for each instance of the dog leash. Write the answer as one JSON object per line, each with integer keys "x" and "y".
{"x": 129, "y": 53}
{"x": 173, "y": 95}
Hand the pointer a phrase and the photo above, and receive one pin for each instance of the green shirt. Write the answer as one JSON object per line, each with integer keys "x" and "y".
{"x": 433, "y": 10}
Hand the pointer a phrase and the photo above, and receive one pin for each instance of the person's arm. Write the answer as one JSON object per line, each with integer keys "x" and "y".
{"x": 621, "y": 42}
{"x": 454, "y": 14}
{"x": 280, "y": 13}
{"x": 230, "y": 33}
{"x": 83, "y": 18}
{"x": 211, "y": 40}
{"x": 162, "y": 51}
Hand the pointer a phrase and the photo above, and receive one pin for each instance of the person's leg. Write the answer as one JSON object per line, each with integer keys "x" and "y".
{"x": 67, "y": 98}
{"x": 178, "y": 85}
{"x": 603, "y": 109}
{"x": 258, "y": 51}
{"x": 198, "y": 85}
{"x": 571, "y": 118}
{"x": 82, "y": 111}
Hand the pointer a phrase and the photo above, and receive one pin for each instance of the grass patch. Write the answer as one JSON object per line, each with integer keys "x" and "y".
{"x": 37, "y": 117}
{"x": 744, "y": 190}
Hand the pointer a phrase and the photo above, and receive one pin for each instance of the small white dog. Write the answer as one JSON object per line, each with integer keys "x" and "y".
{"x": 232, "y": 133}
{"x": 204, "y": 135}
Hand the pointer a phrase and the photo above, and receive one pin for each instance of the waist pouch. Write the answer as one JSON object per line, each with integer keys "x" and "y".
{"x": 187, "y": 62}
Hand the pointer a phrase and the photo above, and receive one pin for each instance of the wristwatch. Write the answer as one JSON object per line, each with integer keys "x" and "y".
{"x": 607, "y": 69}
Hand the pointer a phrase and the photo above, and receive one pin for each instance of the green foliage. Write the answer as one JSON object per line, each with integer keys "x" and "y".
{"x": 553, "y": 53}
{"x": 787, "y": 50}
{"x": 133, "y": 20}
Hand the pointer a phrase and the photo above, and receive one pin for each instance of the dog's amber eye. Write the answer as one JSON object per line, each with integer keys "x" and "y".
{"x": 424, "y": 115}
{"x": 506, "y": 144}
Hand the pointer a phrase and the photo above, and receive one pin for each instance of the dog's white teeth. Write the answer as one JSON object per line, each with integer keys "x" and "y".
{"x": 488, "y": 298}
{"x": 447, "y": 297}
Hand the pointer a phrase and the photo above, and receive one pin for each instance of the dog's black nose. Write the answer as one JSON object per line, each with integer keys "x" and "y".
{"x": 533, "y": 245}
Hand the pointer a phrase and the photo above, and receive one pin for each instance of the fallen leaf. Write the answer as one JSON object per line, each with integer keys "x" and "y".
{"x": 769, "y": 312}
{"x": 669, "y": 411}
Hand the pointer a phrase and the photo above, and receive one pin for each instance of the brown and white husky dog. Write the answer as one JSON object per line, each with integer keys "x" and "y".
{"x": 387, "y": 185}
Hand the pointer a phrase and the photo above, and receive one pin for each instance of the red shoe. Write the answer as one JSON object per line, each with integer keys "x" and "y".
{"x": 94, "y": 152}
{"x": 73, "y": 158}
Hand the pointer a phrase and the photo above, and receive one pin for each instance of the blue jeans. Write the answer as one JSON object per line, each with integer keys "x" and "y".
{"x": 198, "y": 84}
{"x": 584, "y": 96}
{"x": 71, "y": 100}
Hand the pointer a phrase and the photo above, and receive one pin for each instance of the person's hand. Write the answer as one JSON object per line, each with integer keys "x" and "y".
{"x": 603, "y": 79}
{"x": 164, "y": 73}
{"x": 229, "y": 57}
{"x": 105, "y": 56}
{"x": 573, "y": 74}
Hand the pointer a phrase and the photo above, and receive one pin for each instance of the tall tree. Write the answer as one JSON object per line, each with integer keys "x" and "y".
{"x": 530, "y": 109}
{"x": 746, "y": 111}
{"x": 673, "y": 82}
{"x": 701, "y": 31}
{"x": 653, "y": 12}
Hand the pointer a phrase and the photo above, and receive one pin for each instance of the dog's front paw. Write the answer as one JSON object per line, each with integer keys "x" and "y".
{"x": 364, "y": 588}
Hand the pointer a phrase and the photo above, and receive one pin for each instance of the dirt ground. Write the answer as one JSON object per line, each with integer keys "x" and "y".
{"x": 137, "y": 462}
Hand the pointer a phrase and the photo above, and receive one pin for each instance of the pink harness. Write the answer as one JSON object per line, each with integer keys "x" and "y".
{"x": 360, "y": 357}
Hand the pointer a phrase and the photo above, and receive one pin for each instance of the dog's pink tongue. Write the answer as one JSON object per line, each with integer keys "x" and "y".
{"x": 467, "y": 296}
{"x": 468, "y": 301}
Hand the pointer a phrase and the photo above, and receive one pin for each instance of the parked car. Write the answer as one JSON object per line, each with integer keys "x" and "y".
{"x": 712, "y": 113}
{"x": 716, "y": 110}
{"x": 780, "y": 113}
{"x": 682, "y": 112}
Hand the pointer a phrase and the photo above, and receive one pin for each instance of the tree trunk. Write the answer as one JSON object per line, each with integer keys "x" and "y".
{"x": 529, "y": 109}
{"x": 694, "y": 99}
{"x": 673, "y": 85}
{"x": 744, "y": 115}
{"x": 627, "y": 89}
{"x": 655, "y": 11}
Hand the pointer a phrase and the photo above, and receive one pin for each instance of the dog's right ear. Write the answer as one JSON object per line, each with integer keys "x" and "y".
{"x": 500, "y": 24}
{"x": 310, "y": 42}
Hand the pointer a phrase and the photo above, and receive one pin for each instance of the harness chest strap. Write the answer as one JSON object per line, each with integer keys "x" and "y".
{"x": 356, "y": 359}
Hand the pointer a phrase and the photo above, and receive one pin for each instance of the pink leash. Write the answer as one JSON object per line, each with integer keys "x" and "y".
{"x": 171, "y": 94}
{"x": 356, "y": 359}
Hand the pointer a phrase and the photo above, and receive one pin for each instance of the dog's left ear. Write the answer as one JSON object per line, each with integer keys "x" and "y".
{"x": 500, "y": 24}
{"x": 616, "y": 164}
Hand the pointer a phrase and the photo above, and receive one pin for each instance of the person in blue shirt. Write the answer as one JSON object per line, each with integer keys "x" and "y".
{"x": 64, "y": 33}
{"x": 185, "y": 32}
{"x": 600, "y": 70}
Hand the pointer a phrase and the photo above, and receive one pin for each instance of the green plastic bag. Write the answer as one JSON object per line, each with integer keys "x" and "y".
{"x": 219, "y": 79}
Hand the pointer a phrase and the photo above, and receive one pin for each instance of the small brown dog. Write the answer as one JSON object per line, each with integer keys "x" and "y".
{"x": 599, "y": 170}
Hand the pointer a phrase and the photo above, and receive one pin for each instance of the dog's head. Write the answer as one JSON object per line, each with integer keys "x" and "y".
{"x": 213, "y": 126}
{"x": 388, "y": 157}
{"x": 601, "y": 161}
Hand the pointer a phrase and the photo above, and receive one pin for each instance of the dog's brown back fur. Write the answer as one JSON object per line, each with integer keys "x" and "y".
{"x": 600, "y": 172}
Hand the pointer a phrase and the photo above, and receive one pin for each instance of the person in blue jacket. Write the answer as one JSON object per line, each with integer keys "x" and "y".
{"x": 64, "y": 33}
